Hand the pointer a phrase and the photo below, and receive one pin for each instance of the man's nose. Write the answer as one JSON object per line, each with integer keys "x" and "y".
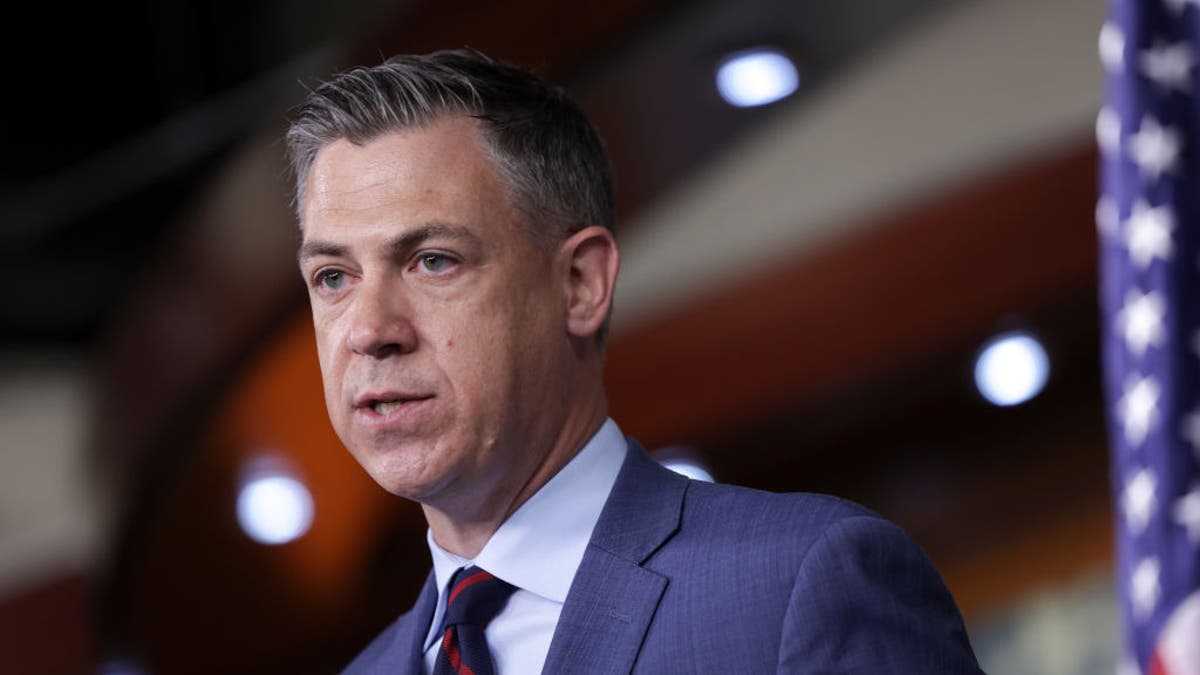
{"x": 381, "y": 321}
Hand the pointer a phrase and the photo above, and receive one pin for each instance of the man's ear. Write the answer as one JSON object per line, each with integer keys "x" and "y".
{"x": 592, "y": 260}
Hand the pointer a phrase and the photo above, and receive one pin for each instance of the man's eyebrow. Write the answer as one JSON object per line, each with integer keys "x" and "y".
{"x": 397, "y": 245}
{"x": 316, "y": 247}
{"x": 402, "y": 244}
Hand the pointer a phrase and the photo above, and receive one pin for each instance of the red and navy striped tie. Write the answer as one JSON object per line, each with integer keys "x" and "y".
{"x": 476, "y": 597}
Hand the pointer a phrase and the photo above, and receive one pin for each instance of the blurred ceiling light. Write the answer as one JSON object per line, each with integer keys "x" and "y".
{"x": 688, "y": 468}
{"x": 273, "y": 507}
{"x": 1011, "y": 368}
{"x": 756, "y": 77}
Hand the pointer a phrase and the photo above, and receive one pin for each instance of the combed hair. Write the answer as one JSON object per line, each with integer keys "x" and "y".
{"x": 543, "y": 147}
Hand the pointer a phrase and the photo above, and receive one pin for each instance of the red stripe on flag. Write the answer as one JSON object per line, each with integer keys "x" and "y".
{"x": 1156, "y": 665}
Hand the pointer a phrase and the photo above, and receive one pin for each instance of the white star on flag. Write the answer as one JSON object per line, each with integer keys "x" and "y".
{"x": 1178, "y": 6}
{"x": 1112, "y": 47}
{"x": 1187, "y": 513}
{"x": 1138, "y": 500}
{"x": 1148, "y": 233}
{"x": 1108, "y": 217}
{"x": 1145, "y": 589}
{"x": 1190, "y": 430}
{"x": 1140, "y": 320}
{"x": 1138, "y": 408}
{"x": 1108, "y": 131}
{"x": 1154, "y": 148}
{"x": 1169, "y": 66}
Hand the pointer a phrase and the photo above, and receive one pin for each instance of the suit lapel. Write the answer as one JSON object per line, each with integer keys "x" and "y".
{"x": 399, "y": 650}
{"x": 410, "y": 640}
{"x": 613, "y": 598}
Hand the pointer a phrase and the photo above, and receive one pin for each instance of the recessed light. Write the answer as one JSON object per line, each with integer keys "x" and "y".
{"x": 273, "y": 507}
{"x": 755, "y": 77}
{"x": 1011, "y": 368}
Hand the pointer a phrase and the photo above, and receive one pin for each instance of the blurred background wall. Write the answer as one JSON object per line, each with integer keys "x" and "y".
{"x": 807, "y": 288}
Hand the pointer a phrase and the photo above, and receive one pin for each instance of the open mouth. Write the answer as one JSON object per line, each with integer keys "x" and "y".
{"x": 386, "y": 406}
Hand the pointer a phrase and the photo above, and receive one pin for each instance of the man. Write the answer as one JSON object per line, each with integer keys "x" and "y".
{"x": 457, "y": 244}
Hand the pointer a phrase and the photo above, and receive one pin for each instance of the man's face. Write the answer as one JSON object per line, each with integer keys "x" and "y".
{"x": 439, "y": 323}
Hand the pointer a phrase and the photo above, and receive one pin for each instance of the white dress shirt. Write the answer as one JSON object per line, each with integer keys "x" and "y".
{"x": 538, "y": 549}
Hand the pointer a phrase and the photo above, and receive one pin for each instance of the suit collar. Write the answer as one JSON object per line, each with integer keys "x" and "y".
{"x": 539, "y": 547}
{"x": 613, "y": 598}
{"x": 643, "y": 510}
{"x": 410, "y": 642}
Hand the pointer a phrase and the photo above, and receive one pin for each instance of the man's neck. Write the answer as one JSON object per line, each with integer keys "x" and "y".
{"x": 466, "y": 536}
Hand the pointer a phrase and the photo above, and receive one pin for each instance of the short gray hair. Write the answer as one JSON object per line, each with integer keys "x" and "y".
{"x": 542, "y": 145}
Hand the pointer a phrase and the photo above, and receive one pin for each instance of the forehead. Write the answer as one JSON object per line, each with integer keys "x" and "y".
{"x": 440, "y": 171}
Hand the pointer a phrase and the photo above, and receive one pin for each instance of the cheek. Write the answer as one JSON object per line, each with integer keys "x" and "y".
{"x": 327, "y": 358}
{"x": 324, "y": 352}
{"x": 472, "y": 354}
{"x": 474, "y": 346}
{"x": 328, "y": 330}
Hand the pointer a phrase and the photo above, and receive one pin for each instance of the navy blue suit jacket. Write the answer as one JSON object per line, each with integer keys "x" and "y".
{"x": 688, "y": 577}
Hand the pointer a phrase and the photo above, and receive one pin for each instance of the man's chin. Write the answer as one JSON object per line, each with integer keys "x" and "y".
{"x": 420, "y": 470}
{"x": 417, "y": 482}
{"x": 407, "y": 488}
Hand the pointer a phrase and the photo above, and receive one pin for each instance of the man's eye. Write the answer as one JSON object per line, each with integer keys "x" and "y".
{"x": 331, "y": 279}
{"x": 435, "y": 262}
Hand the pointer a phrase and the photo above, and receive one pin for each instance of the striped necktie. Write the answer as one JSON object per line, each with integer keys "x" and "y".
{"x": 476, "y": 597}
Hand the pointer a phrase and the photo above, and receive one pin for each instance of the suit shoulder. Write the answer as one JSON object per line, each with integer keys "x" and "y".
{"x": 792, "y": 511}
{"x": 751, "y": 528}
{"x": 880, "y": 600}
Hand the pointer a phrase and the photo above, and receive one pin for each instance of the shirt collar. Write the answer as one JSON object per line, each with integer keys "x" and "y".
{"x": 540, "y": 546}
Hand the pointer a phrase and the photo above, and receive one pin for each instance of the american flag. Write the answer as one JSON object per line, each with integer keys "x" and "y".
{"x": 1148, "y": 215}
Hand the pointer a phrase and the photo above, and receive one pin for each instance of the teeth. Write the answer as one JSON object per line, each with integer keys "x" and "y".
{"x": 385, "y": 407}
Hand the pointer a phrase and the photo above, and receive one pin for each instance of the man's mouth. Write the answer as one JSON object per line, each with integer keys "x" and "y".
{"x": 384, "y": 405}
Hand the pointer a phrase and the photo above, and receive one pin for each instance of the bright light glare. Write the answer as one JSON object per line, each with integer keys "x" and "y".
{"x": 274, "y": 509}
{"x": 756, "y": 77}
{"x": 1012, "y": 368}
{"x": 690, "y": 469}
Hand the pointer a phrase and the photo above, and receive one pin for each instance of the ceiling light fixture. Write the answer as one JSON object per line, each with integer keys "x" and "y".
{"x": 273, "y": 507}
{"x": 1011, "y": 368}
{"x": 755, "y": 77}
